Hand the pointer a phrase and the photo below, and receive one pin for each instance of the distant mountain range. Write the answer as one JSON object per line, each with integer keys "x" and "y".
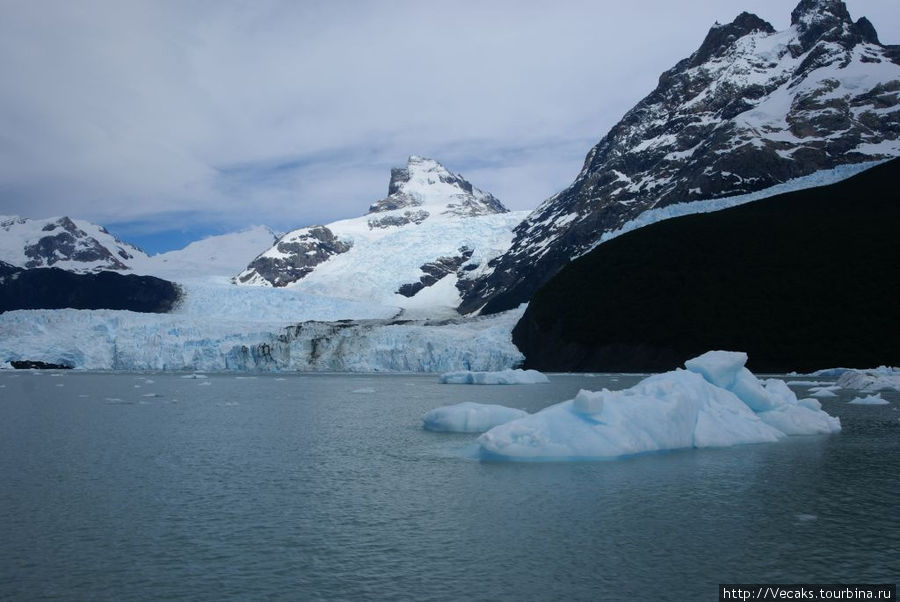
{"x": 751, "y": 108}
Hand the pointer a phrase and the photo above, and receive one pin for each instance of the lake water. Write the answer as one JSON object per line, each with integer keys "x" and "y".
{"x": 155, "y": 486}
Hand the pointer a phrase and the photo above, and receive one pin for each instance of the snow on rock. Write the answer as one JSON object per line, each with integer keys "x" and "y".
{"x": 876, "y": 379}
{"x": 870, "y": 400}
{"x": 711, "y": 404}
{"x": 433, "y": 227}
{"x": 469, "y": 417}
{"x": 503, "y": 377}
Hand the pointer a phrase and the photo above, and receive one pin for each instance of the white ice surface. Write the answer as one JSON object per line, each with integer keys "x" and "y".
{"x": 503, "y": 377}
{"x": 674, "y": 410}
{"x": 220, "y": 333}
{"x": 876, "y": 379}
{"x": 469, "y": 417}
{"x": 870, "y": 400}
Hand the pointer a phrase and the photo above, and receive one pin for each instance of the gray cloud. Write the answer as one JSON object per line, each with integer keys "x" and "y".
{"x": 290, "y": 113}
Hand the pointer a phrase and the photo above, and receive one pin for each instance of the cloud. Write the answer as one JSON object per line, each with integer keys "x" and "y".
{"x": 289, "y": 113}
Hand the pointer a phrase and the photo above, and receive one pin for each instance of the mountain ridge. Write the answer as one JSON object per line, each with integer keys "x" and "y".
{"x": 751, "y": 108}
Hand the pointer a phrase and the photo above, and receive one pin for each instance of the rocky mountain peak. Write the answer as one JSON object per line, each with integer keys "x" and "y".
{"x": 426, "y": 182}
{"x": 720, "y": 37}
{"x": 829, "y": 21}
{"x": 751, "y": 108}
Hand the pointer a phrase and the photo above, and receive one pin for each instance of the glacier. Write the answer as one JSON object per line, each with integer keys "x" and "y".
{"x": 469, "y": 417}
{"x": 715, "y": 402}
{"x": 501, "y": 377}
{"x": 229, "y": 338}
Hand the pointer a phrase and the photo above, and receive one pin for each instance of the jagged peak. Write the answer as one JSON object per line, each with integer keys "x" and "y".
{"x": 811, "y": 12}
{"x": 426, "y": 181}
{"x": 722, "y": 36}
{"x": 829, "y": 20}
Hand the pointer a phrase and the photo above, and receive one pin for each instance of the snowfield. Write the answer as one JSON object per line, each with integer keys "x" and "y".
{"x": 716, "y": 402}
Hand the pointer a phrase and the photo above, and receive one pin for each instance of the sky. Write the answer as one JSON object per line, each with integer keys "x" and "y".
{"x": 170, "y": 120}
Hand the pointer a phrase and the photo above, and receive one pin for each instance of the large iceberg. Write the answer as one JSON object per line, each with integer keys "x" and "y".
{"x": 469, "y": 417}
{"x": 501, "y": 377}
{"x": 716, "y": 402}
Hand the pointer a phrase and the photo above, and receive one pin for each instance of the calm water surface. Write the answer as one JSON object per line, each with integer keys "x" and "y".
{"x": 155, "y": 486}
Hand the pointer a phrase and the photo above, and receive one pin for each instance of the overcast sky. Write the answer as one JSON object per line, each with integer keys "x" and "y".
{"x": 167, "y": 120}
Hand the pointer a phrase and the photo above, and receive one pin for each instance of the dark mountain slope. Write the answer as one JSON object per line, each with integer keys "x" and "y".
{"x": 751, "y": 108}
{"x": 799, "y": 281}
{"x": 53, "y": 288}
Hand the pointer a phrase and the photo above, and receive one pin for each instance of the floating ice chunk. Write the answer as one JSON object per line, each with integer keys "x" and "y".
{"x": 503, "y": 377}
{"x": 871, "y": 400}
{"x": 806, "y": 383}
{"x": 363, "y": 390}
{"x": 674, "y": 410}
{"x": 822, "y": 392}
{"x": 469, "y": 417}
{"x": 877, "y": 379}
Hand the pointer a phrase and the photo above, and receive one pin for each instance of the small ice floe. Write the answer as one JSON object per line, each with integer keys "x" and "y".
{"x": 503, "y": 377}
{"x": 469, "y": 417}
{"x": 364, "y": 390}
{"x": 60, "y": 385}
{"x": 136, "y": 386}
{"x": 151, "y": 395}
{"x": 870, "y": 400}
{"x": 231, "y": 403}
{"x": 118, "y": 401}
{"x": 805, "y": 518}
{"x": 205, "y": 382}
{"x": 195, "y": 375}
{"x": 281, "y": 378}
{"x": 807, "y": 383}
{"x": 245, "y": 378}
{"x": 149, "y": 382}
{"x": 823, "y": 392}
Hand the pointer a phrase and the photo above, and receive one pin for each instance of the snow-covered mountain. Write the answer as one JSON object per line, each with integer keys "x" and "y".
{"x": 62, "y": 242}
{"x": 750, "y": 109}
{"x": 220, "y": 255}
{"x": 411, "y": 250}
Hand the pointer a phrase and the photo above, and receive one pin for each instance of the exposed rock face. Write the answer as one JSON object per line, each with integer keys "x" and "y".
{"x": 294, "y": 256}
{"x": 60, "y": 242}
{"x": 422, "y": 179}
{"x": 423, "y": 191}
{"x": 749, "y": 109}
{"x": 436, "y": 270}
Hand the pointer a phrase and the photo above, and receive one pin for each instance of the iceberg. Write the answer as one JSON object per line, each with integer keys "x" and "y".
{"x": 876, "y": 379}
{"x": 716, "y": 402}
{"x": 502, "y": 377}
{"x": 871, "y": 400}
{"x": 469, "y": 417}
